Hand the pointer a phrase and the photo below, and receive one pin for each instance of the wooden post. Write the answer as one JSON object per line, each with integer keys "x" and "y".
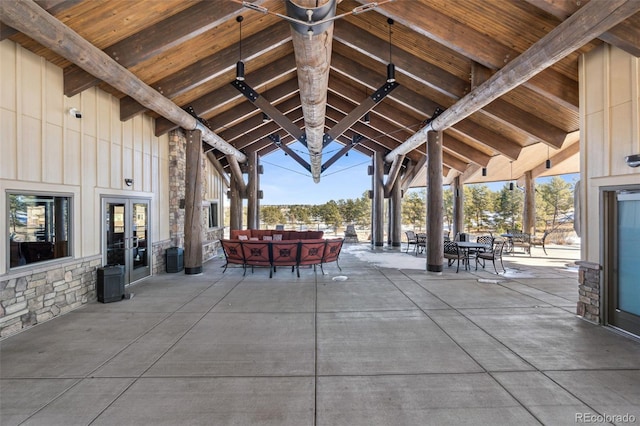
{"x": 435, "y": 242}
{"x": 377, "y": 231}
{"x": 458, "y": 206}
{"x": 253, "y": 207}
{"x": 235, "y": 206}
{"x": 529, "y": 213}
{"x": 193, "y": 204}
{"x": 395, "y": 216}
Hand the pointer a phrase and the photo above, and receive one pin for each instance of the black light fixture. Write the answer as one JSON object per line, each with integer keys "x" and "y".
{"x": 484, "y": 171}
{"x": 632, "y": 160}
{"x": 265, "y": 117}
{"x": 240, "y": 64}
{"x": 391, "y": 68}
{"x": 511, "y": 183}
{"x": 366, "y": 118}
{"x": 548, "y": 162}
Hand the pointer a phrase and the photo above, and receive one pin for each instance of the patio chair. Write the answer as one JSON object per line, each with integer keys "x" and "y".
{"x": 411, "y": 239}
{"x": 332, "y": 252}
{"x": 453, "y": 253}
{"x": 257, "y": 253}
{"x": 421, "y": 243}
{"x": 493, "y": 255}
{"x": 285, "y": 253}
{"x": 233, "y": 254}
{"x": 311, "y": 252}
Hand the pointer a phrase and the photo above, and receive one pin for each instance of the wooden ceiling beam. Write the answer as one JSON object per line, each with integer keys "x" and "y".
{"x": 566, "y": 153}
{"x": 375, "y": 48}
{"x": 523, "y": 121}
{"x": 478, "y": 47}
{"x": 206, "y": 106}
{"x": 454, "y": 162}
{"x": 457, "y": 147}
{"x": 589, "y": 22}
{"x": 51, "y": 6}
{"x": 211, "y": 67}
{"x": 419, "y": 104}
{"x": 625, "y": 35}
{"x": 380, "y": 126}
{"x": 246, "y": 110}
{"x": 313, "y": 57}
{"x": 382, "y": 142}
{"x": 394, "y": 114}
{"x": 156, "y": 40}
{"x": 32, "y": 20}
{"x": 255, "y": 123}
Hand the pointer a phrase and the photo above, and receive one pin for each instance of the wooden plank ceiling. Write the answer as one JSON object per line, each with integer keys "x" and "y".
{"x": 442, "y": 49}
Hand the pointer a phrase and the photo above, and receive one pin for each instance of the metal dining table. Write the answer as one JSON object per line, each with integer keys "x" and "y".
{"x": 466, "y": 247}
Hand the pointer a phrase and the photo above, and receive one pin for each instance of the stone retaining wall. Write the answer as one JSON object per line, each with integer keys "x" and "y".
{"x": 41, "y": 293}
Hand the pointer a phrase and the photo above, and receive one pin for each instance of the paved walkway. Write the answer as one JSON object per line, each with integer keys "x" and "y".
{"x": 386, "y": 346}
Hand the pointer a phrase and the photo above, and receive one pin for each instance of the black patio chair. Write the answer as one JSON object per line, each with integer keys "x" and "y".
{"x": 452, "y": 253}
{"x": 411, "y": 239}
{"x": 493, "y": 255}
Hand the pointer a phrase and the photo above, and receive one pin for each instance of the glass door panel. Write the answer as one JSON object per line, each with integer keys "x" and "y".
{"x": 126, "y": 236}
{"x": 139, "y": 234}
{"x": 628, "y": 254}
{"x": 115, "y": 233}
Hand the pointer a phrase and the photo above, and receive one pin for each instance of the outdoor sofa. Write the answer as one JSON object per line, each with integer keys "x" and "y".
{"x": 274, "y": 253}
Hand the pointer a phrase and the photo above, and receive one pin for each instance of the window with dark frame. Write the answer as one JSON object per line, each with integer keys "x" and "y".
{"x": 39, "y": 227}
{"x": 213, "y": 215}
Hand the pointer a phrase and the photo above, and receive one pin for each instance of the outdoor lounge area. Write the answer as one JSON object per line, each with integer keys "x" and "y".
{"x": 381, "y": 342}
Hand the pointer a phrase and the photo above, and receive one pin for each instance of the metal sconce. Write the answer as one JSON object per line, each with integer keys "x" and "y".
{"x": 128, "y": 181}
{"x": 366, "y": 118}
{"x": 265, "y": 117}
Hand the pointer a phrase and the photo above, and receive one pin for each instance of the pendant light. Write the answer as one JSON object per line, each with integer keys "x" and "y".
{"x": 548, "y": 162}
{"x": 511, "y": 182}
{"x": 240, "y": 64}
{"x": 391, "y": 68}
{"x": 484, "y": 171}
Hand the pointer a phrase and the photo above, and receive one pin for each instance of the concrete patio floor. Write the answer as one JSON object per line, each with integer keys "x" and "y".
{"x": 389, "y": 345}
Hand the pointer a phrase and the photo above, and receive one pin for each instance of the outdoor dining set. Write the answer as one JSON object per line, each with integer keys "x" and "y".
{"x": 462, "y": 249}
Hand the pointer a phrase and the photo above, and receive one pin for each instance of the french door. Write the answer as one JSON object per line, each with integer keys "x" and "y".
{"x": 126, "y": 236}
{"x": 622, "y": 229}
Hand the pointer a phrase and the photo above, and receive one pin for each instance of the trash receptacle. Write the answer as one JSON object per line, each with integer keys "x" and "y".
{"x": 110, "y": 287}
{"x": 174, "y": 259}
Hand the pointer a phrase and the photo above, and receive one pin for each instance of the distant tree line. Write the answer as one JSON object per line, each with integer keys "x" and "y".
{"x": 484, "y": 209}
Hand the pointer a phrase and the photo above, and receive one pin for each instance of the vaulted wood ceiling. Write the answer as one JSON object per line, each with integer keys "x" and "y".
{"x": 442, "y": 50}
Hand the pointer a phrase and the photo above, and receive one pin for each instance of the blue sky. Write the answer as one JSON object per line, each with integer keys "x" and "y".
{"x": 286, "y": 182}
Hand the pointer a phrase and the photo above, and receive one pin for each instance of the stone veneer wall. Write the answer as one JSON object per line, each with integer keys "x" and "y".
{"x": 177, "y": 173}
{"x": 44, "y": 292}
{"x": 589, "y": 297}
{"x": 159, "y": 259}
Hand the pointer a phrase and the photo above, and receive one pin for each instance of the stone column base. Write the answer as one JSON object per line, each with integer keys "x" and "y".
{"x": 589, "y": 297}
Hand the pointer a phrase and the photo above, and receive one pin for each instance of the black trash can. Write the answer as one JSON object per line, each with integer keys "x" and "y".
{"x": 110, "y": 287}
{"x": 174, "y": 260}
